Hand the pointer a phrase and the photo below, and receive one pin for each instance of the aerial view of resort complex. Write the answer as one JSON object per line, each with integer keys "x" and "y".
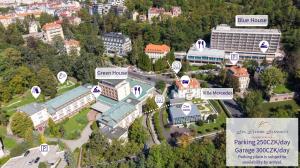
{"x": 149, "y": 83}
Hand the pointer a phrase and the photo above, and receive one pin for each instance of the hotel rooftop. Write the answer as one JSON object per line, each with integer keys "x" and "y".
{"x": 224, "y": 28}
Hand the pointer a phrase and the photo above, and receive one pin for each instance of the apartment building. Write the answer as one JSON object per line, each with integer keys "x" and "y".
{"x": 58, "y": 108}
{"x": 116, "y": 43}
{"x": 72, "y": 45}
{"x": 245, "y": 41}
{"x": 156, "y": 51}
{"x": 192, "y": 91}
{"x": 51, "y": 30}
{"x": 242, "y": 75}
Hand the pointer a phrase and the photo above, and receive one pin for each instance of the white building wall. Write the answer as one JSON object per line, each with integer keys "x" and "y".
{"x": 40, "y": 117}
{"x": 71, "y": 108}
{"x": 123, "y": 91}
{"x": 127, "y": 121}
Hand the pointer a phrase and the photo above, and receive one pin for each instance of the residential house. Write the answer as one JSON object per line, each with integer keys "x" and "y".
{"x": 241, "y": 74}
{"x": 156, "y": 51}
{"x": 192, "y": 91}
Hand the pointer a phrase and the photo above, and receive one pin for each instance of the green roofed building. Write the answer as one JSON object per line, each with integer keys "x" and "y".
{"x": 115, "y": 114}
{"x": 58, "y": 108}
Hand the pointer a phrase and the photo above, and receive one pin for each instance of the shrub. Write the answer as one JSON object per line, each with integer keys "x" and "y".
{"x": 200, "y": 123}
{"x": 157, "y": 126}
{"x": 207, "y": 130}
{"x": 42, "y": 165}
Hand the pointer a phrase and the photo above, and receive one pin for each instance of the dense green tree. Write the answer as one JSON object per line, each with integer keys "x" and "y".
{"x": 45, "y": 18}
{"x": 13, "y": 35}
{"x": 53, "y": 128}
{"x": 137, "y": 132}
{"x": 28, "y": 136}
{"x": 251, "y": 104}
{"x": 251, "y": 66}
{"x": 47, "y": 82}
{"x": 137, "y": 50}
{"x": 12, "y": 57}
{"x": 160, "y": 65}
{"x": 150, "y": 105}
{"x": 160, "y": 85}
{"x": 20, "y": 124}
{"x": 4, "y": 117}
{"x": 144, "y": 63}
{"x": 233, "y": 82}
{"x": 271, "y": 78}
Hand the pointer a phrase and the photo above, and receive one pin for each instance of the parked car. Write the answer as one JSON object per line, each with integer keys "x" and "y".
{"x": 26, "y": 153}
{"x": 37, "y": 160}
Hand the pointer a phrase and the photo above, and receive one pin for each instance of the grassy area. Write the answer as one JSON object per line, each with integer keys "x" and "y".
{"x": 290, "y": 106}
{"x": 281, "y": 89}
{"x": 209, "y": 127}
{"x": 20, "y": 100}
{"x": 9, "y": 143}
{"x": 68, "y": 85}
{"x": 74, "y": 125}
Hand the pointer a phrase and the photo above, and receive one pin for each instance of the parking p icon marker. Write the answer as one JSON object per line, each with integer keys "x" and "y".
{"x": 44, "y": 149}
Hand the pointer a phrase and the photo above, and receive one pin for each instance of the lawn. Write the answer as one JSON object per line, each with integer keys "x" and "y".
{"x": 290, "y": 106}
{"x": 19, "y": 101}
{"x": 68, "y": 85}
{"x": 27, "y": 98}
{"x": 9, "y": 143}
{"x": 74, "y": 125}
{"x": 209, "y": 127}
{"x": 281, "y": 89}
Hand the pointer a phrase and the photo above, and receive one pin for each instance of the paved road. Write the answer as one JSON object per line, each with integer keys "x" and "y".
{"x": 150, "y": 78}
{"x": 233, "y": 108}
{"x": 77, "y": 143}
{"x": 21, "y": 162}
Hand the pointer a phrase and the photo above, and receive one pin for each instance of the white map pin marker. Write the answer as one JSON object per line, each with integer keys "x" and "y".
{"x": 200, "y": 44}
{"x": 185, "y": 81}
{"x": 186, "y": 108}
{"x": 137, "y": 90}
{"x": 264, "y": 46}
{"x": 176, "y": 66}
{"x": 234, "y": 58}
{"x": 44, "y": 149}
{"x": 96, "y": 91}
{"x": 62, "y": 76}
{"x": 35, "y": 91}
{"x": 159, "y": 100}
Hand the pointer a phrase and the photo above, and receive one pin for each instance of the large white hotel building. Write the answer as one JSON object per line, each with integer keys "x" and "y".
{"x": 245, "y": 41}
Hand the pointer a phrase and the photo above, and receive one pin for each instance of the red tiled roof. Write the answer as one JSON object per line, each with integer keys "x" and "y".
{"x": 53, "y": 25}
{"x": 239, "y": 71}
{"x": 194, "y": 83}
{"x": 72, "y": 42}
{"x": 157, "y": 48}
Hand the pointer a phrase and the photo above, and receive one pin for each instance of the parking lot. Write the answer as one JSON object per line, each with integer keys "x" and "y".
{"x": 24, "y": 161}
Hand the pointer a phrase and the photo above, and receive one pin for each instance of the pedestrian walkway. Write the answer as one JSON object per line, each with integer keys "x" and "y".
{"x": 77, "y": 143}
